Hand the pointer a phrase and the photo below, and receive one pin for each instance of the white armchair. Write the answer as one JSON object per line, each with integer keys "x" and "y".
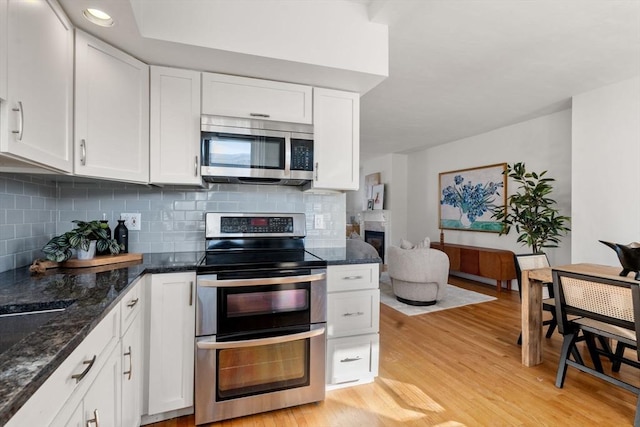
{"x": 419, "y": 276}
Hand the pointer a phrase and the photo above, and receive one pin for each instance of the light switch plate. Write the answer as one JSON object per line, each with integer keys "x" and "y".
{"x": 132, "y": 220}
{"x": 319, "y": 222}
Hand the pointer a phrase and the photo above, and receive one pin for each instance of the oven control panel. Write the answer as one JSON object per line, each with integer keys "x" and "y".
{"x": 256, "y": 224}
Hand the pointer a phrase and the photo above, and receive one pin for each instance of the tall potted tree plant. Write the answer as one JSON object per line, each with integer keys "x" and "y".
{"x": 531, "y": 211}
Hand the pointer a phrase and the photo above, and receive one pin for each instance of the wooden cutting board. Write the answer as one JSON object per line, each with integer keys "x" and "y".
{"x": 41, "y": 265}
{"x": 100, "y": 260}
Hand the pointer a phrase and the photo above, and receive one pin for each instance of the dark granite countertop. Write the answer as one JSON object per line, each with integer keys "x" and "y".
{"x": 88, "y": 295}
{"x": 355, "y": 251}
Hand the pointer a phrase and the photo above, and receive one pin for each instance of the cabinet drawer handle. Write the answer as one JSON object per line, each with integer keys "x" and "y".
{"x": 21, "y": 122}
{"x": 83, "y": 152}
{"x": 132, "y": 303}
{"x": 350, "y": 359}
{"x": 128, "y": 353}
{"x": 352, "y": 278}
{"x": 81, "y": 375}
{"x": 259, "y": 115}
{"x": 358, "y": 313}
{"x": 95, "y": 420}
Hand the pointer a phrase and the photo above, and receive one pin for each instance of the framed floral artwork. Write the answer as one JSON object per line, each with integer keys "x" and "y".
{"x": 468, "y": 198}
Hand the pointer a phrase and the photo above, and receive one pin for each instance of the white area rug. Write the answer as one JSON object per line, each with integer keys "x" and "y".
{"x": 456, "y": 297}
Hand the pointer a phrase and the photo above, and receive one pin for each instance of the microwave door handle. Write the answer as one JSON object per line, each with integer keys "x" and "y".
{"x": 287, "y": 155}
{"x": 260, "y": 341}
{"x": 261, "y": 281}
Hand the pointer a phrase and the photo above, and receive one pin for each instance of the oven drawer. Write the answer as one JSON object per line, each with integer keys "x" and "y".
{"x": 353, "y": 313}
{"x": 352, "y": 277}
{"x": 352, "y": 359}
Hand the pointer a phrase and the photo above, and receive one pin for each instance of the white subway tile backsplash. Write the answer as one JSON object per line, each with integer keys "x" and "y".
{"x": 33, "y": 209}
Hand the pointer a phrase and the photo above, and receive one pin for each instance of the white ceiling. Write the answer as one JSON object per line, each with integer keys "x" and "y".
{"x": 458, "y": 68}
{"x": 464, "y": 67}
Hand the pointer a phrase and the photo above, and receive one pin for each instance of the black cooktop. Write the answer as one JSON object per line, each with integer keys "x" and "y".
{"x": 234, "y": 255}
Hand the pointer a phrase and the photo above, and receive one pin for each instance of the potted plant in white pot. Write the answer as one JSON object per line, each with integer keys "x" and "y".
{"x": 531, "y": 211}
{"x": 86, "y": 237}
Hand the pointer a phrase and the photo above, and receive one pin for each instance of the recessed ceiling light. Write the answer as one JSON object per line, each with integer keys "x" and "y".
{"x": 98, "y": 17}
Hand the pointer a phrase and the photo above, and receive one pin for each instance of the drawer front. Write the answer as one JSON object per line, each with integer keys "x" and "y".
{"x": 353, "y": 313}
{"x": 352, "y": 358}
{"x": 45, "y": 403}
{"x": 131, "y": 304}
{"x": 352, "y": 277}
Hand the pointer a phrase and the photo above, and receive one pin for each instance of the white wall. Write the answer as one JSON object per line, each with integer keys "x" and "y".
{"x": 543, "y": 143}
{"x": 393, "y": 174}
{"x": 605, "y": 171}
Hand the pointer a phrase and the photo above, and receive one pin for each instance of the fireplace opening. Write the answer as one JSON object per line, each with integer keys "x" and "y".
{"x": 375, "y": 239}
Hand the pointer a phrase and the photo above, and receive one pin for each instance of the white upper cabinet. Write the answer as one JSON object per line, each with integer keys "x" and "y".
{"x": 174, "y": 126}
{"x": 233, "y": 96}
{"x": 3, "y": 49}
{"x": 37, "y": 117}
{"x": 111, "y": 113}
{"x": 336, "y": 127}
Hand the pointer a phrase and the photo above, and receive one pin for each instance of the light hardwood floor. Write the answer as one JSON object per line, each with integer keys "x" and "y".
{"x": 460, "y": 367}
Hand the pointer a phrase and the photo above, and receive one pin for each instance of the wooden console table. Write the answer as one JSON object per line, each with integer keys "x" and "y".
{"x": 491, "y": 263}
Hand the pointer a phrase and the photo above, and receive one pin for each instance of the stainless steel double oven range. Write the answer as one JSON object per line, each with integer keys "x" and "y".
{"x": 260, "y": 317}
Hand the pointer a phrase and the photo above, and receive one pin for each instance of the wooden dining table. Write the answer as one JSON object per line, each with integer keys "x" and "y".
{"x": 532, "y": 284}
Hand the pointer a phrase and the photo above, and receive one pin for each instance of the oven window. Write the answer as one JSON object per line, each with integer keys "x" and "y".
{"x": 254, "y": 370}
{"x": 247, "y": 309}
{"x": 270, "y": 302}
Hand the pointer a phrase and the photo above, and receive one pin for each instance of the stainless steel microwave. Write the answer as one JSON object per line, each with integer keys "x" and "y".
{"x": 256, "y": 151}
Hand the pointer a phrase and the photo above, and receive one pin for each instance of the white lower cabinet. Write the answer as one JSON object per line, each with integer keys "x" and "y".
{"x": 171, "y": 342}
{"x": 353, "y": 319}
{"x": 352, "y": 360}
{"x": 131, "y": 354}
{"x": 100, "y": 404}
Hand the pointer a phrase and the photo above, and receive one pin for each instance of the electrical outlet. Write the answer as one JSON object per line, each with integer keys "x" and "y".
{"x": 132, "y": 220}
{"x": 319, "y": 222}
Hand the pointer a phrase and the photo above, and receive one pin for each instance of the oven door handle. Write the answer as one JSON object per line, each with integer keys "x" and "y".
{"x": 260, "y": 341}
{"x": 261, "y": 281}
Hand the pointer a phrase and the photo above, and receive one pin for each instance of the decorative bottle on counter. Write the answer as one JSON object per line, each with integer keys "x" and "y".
{"x": 121, "y": 234}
